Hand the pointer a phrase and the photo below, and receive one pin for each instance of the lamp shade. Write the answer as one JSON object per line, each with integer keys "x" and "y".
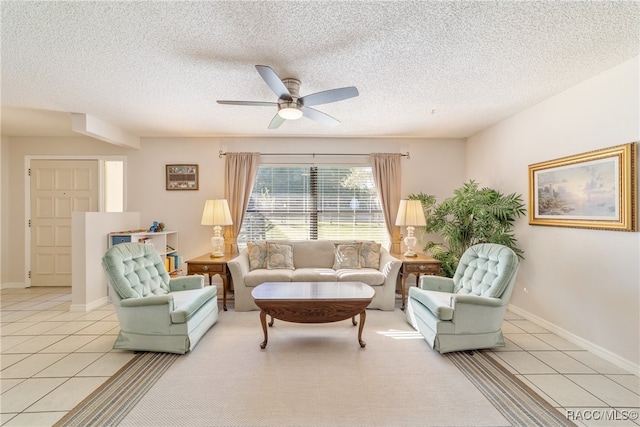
{"x": 410, "y": 213}
{"x": 216, "y": 212}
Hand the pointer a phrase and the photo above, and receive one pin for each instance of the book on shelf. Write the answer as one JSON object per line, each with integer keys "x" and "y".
{"x": 172, "y": 262}
{"x": 176, "y": 259}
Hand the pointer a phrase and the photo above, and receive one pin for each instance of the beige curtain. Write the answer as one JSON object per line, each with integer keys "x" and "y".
{"x": 386, "y": 174}
{"x": 240, "y": 170}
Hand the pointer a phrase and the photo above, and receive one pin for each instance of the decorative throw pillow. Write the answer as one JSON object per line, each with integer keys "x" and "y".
{"x": 279, "y": 255}
{"x": 370, "y": 255}
{"x": 347, "y": 256}
{"x": 257, "y": 255}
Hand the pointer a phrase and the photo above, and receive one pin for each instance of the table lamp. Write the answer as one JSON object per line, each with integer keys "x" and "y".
{"x": 216, "y": 213}
{"x": 411, "y": 215}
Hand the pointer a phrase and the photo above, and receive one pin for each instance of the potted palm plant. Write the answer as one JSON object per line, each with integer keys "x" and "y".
{"x": 472, "y": 215}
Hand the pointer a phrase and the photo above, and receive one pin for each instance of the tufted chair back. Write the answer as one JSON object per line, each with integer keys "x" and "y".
{"x": 487, "y": 270}
{"x": 135, "y": 270}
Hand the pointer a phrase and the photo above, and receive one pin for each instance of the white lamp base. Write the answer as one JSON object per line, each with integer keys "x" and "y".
{"x": 410, "y": 241}
{"x": 217, "y": 243}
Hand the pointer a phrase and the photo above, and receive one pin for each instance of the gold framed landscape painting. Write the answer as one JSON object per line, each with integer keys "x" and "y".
{"x": 590, "y": 190}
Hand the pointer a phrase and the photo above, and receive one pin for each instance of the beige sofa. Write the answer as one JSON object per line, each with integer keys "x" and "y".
{"x": 314, "y": 261}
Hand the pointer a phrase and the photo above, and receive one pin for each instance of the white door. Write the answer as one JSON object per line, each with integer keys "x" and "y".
{"x": 58, "y": 188}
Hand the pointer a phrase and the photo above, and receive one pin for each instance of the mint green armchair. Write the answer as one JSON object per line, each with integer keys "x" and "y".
{"x": 156, "y": 312}
{"x": 465, "y": 312}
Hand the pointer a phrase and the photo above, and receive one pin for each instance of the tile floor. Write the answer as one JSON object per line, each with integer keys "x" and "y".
{"x": 51, "y": 359}
{"x": 586, "y": 388}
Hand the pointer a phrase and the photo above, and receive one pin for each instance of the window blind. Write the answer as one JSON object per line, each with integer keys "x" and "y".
{"x": 313, "y": 203}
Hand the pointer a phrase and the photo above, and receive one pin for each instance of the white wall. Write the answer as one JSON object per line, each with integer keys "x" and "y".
{"x": 435, "y": 167}
{"x": 4, "y": 198}
{"x": 584, "y": 282}
{"x": 89, "y": 243}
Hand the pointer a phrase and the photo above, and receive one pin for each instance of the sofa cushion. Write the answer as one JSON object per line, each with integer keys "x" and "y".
{"x": 347, "y": 255}
{"x": 365, "y": 275}
{"x": 370, "y": 255}
{"x": 187, "y": 303}
{"x": 437, "y": 302}
{"x": 313, "y": 253}
{"x": 279, "y": 255}
{"x": 257, "y": 255}
{"x": 261, "y": 275}
{"x": 314, "y": 275}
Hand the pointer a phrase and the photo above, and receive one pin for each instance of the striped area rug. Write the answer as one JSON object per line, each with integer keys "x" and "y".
{"x": 109, "y": 404}
{"x": 514, "y": 399}
{"x": 377, "y": 385}
{"x": 113, "y": 400}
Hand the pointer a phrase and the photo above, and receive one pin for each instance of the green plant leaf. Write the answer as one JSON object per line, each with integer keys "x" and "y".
{"x": 472, "y": 215}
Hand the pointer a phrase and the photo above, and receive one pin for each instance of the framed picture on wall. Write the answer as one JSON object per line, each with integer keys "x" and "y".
{"x": 590, "y": 190}
{"x": 182, "y": 177}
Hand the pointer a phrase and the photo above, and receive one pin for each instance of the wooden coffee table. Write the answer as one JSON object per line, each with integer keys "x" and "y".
{"x": 312, "y": 302}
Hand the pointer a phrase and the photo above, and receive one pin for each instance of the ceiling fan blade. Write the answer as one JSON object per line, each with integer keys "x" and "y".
{"x": 331, "y": 95}
{"x": 276, "y": 122}
{"x": 273, "y": 81}
{"x": 255, "y": 103}
{"x": 319, "y": 116}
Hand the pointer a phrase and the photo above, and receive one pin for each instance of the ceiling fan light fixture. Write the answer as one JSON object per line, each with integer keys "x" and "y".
{"x": 290, "y": 113}
{"x": 291, "y": 106}
{"x": 289, "y": 110}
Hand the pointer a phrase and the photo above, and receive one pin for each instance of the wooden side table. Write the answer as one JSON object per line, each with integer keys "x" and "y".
{"x": 206, "y": 264}
{"x": 417, "y": 265}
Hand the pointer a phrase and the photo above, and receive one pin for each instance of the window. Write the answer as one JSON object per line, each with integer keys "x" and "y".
{"x": 113, "y": 186}
{"x": 313, "y": 203}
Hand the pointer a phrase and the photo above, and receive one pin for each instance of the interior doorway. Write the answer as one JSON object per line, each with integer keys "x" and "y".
{"x": 58, "y": 188}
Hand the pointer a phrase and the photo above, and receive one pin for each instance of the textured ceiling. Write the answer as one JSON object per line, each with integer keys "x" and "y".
{"x": 423, "y": 69}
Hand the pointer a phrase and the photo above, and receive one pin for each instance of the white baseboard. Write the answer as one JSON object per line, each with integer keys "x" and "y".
{"x": 579, "y": 341}
{"x": 13, "y": 285}
{"x": 91, "y": 306}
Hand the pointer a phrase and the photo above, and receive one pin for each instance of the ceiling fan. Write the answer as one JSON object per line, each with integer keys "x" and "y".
{"x": 291, "y": 106}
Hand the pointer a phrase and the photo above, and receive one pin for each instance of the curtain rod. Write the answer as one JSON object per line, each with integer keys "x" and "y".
{"x": 407, "y": 155}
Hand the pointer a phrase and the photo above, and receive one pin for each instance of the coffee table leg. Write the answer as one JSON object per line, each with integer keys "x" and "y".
{"x": 363, "y": 316}
{"x": 263, "y": 322}
{"x": 354, "y": 321}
